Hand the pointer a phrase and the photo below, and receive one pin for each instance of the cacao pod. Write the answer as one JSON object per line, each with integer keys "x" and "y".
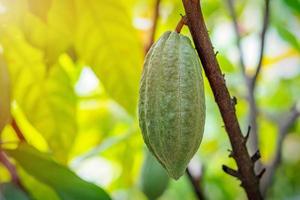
{"x": 4, "y": 94}
{"x": 172, "y": 102}
{"x": 154, "y": 179}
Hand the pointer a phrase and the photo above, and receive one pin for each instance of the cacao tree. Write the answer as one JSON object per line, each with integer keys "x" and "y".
{"x": 87, "y": 85}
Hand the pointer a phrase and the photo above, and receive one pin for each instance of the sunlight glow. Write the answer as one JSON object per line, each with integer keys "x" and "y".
{"x": 97, "y": 170}
{"x": 87, "y": 83}
{"x": 3, "y": 8}
{"x": 142, "y": 23}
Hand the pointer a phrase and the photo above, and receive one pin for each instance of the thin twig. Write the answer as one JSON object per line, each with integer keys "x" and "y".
{"x": 11, "y": 168}
{"x": 250, "y": 81}
{"x": 250, "y": 182}
{"x": 18, "y": 131}
{"x": 291, "y": 118}
{"x": 238, "y": 35}
{"x": 196, "y": 183}
{"x": 251, "y": 99}
{"x": 154, "y": 21}
{"x": 181, "y": 23}
{"x": 262, "y": 43}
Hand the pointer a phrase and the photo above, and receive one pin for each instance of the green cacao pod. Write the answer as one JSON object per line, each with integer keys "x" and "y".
{"x": 172, "y": 102}
{"x": 154, "y": 179}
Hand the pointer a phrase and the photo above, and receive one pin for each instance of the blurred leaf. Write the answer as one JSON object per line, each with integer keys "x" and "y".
{"x": 106, "y": 40}
{"x": 5, "y": 94}
{"x": 293, "y": 5}
{"x": 288, "y": 36}
{"x": 98, "y": 119}
{"x": 36, "y": 189}
{"x": 267, "y": 139}
{"x": 276, "y": 97}
{"x": 225, "y": 63}
{"x": 40, "y": 8}
{"x": 52, "y": 111}
{"x": 48, "y": 100}
{"x": 11, "y": 192}
{"x": 55, "y": 36}
{"x": 65, "y": 182}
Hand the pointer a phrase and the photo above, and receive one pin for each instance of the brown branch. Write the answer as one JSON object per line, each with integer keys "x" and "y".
{"x": 5, "y": 161}
{"x": 282, "y": 133}
{"x": 11, "y": 168}
{"x": 250, "y": 182}
{"x": 253, "y": 144}
{"x": 181, "y": 23}
{"x": 262, "y": 42}
{"x": 153, "y": 29}
{"x": 196, "y": 183}
{"x": 250, "y": 81}
{"x": 238, "y": 36}
{"x": 18, "y": 131}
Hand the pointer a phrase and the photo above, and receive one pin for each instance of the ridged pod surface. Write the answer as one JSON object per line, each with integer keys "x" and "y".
{"x": 172, "y": 102}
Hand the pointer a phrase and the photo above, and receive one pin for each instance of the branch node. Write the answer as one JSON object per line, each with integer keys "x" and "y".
{"x": 247, "y": 135}
{"x": 256, "y": 156}
{"x": 183, "y": 21}
{"x": 261, "y": 173}
{"x": 231, "y": 155}
{"x": 234, "y": 100}
{"x": 231, "y": 171}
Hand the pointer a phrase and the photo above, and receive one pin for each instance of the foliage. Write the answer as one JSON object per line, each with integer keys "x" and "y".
{"x": 69, "y": 75}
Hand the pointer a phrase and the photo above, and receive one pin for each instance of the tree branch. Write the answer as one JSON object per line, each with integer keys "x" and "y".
{"x": 262, "y": 42}
{"x": 17, "y": 130}
{"x": 237, "y": 36}
{"x": 250, "y": 182}
{"x": 196, "y": 185}
{"x": 153, "y": 29}
{"x": 282, "y": 133}
{"x": 181, "y": 23}
{"x": 11, "y": 168}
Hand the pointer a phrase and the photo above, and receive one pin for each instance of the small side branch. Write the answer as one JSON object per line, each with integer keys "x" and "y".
{"x": 292, "y": 116}
{"x": 196, "y": 185}
{"x": 11, "y": 168}
{"x": 262, "y": 42}
{"x": 231, "y": 171}
{"x": 181, "y": 23}
{"x": 238, "y": 35}
{"x": 155, "y": 20}
{"x": 18, "y": 131}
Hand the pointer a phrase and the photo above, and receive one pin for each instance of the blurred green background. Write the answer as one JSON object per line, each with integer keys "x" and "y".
{"x": 74, "y": 68}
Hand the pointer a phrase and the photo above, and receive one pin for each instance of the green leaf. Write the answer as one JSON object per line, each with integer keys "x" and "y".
{"x": 106, "y": 40}
{"x": 55, "y": 36}
{"x": 288, "y": 36}
{"x": 5, "y": 94}
{"x": 225, "y": 63}
{"x": 293, "y": 5}
{"x": 65, "y": 182}
{"x": 46, "y": 97}
{"x": 36, "y": 189}
{"x": 11, "y": 192}
{"x": 52, "y": 111}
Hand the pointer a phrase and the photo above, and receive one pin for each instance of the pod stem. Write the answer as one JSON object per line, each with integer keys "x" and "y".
{"x": 181, "y": 23}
